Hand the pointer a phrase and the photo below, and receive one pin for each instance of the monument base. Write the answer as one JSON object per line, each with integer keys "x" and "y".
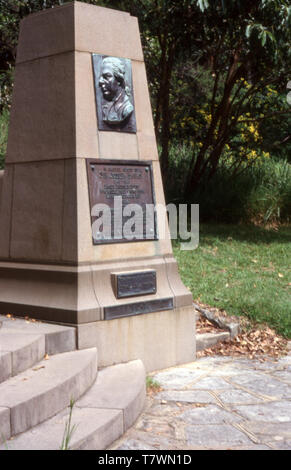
{"x": 160, "y": 339}
{"x": 158, "y": 328}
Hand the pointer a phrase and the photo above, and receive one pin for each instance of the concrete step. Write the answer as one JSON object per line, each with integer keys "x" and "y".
{"x": 40, "y": 392}
{"x": 58, "y": 338}
{"x": 208, "y": 340}
{"x": 99, "y": 417}
{"x": 23, "y": 343}
{"x": 19, "y": 351}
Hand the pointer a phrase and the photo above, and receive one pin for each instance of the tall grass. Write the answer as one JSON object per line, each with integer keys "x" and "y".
{"x": 260, "y": 193}
{"x": 271, "y": 199}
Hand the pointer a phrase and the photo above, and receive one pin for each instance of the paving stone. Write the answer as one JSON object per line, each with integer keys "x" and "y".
{"x": 285, "y": 360}
{"x": 225, "y": 370}
{"x": 156, "y": 425}
{"x": 283, "y": 375}
{"x": 276, "y": 412}
{"x": 238, "y": 397}
{"x": 215, "y": 360}
{"x": 281, "y": 445}
{"x": 211, "y": 383}
{"x": 133, "y": 444}
{"x": 213, "y": 436}
{"x": 250, "y": 364}
{"x": 263, "y": 384}
{"x": 186, "y": 396}
{"x": 177, "y": 378}
{"x": 211, "y": 414}
{"x": 146, "y": 440}
{"x": 252, "y": 447}
{"x": 164, "y": 409}
{"x": 267, "y": 431}
{"x": 187, "y": 416}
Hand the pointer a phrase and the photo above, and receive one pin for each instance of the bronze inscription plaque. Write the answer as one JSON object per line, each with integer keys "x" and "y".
{"x": 134, "y": 283}
{"x": 121, "y": 201}
{"x": 138, "y": 308}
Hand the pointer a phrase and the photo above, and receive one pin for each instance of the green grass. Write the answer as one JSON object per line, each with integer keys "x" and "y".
{"x": 242, "y": 269}
{"x": 152, "y": 384}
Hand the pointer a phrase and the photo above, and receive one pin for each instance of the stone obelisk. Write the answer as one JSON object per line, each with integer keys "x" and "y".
{"x": 68, "y": 137}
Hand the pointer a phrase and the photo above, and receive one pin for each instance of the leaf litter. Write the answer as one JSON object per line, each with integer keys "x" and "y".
{"x": 256, "y": 341}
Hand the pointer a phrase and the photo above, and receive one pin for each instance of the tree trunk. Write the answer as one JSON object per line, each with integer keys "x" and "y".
{"x": 211, "y": 151}
{"x": 165, "y": 107}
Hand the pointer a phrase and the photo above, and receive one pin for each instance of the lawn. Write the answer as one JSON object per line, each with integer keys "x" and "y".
{"x": 242, "y": 269}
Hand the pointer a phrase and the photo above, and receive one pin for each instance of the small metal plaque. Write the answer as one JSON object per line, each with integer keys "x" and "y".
{"x": 114, "y": 93}
{"x": 138, "y": 308}
{"x": 134, "y": 283}
{"x": 121, "y": 201}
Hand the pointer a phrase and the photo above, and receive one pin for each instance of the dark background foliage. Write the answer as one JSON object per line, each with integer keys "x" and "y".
{"x": 218, "y": 73}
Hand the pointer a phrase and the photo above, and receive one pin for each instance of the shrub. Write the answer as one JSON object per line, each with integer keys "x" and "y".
{"x": 259, "y": 192}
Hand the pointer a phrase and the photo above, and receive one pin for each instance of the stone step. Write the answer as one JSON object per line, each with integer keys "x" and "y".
{"x": 19, "y": 351}
{"x": 99, "y": 417}
{"x": 58, "y": 338}
{"x": 40, "y": 392}
{"x": 208, "y": 340}
{"x": 23, "y": 343}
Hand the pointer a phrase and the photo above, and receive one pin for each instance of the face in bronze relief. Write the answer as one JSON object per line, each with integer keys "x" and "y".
{"x": 112, "y": 84}
{"x": 113, "y": 87}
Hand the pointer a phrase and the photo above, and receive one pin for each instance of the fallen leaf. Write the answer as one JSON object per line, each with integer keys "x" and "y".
{"x": 257, "y": 342}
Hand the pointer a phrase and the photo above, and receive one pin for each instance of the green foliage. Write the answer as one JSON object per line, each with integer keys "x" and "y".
{"x": 244, "y": 270}
{"x": 270, "y": 200}
{"x": 4, "y": 121}
{"x": 152, "y": 385}
{"x": 217, "y": 74}
{"x": 260, "y": 192}
{"x": 217, "y": 58}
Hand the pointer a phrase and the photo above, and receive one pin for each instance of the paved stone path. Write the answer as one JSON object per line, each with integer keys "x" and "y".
{"x": 217, "y": 403}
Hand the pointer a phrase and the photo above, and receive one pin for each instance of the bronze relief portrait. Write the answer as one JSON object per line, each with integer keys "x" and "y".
{"x": 114, "y": 94}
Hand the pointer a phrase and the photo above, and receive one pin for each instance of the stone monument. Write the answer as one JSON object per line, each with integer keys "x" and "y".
{"x": 81, "y": 134}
